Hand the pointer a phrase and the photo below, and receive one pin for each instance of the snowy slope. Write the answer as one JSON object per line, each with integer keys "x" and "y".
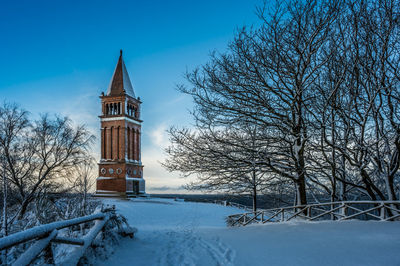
{"x": 185, "y": 233}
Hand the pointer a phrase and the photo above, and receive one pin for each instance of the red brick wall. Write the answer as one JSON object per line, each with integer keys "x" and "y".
{"x": 118, "y": 185}
{"x": 120, "y": 139}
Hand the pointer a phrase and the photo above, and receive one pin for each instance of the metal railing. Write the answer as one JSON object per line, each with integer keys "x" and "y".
{"x": 44, "y": 235}
{"x": 342, "y": 210}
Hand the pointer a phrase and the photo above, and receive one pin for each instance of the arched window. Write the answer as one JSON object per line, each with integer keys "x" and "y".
{"x": 118, "y": 128}
{"x": 128, "y": 149}
{"x": 111, "y": 143}
{"x": 105, "y": 143}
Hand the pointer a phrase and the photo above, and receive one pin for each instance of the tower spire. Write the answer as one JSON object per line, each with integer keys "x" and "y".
{"x": 120, "y": 82}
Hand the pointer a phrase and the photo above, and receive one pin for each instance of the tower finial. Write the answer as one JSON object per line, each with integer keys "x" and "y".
{"x": 120, "y": 52}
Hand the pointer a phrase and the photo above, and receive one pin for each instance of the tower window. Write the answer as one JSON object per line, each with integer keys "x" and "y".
{"x": 131, "y": 110}
{"x": 111, "y": 143}
{"x": 105, "y": 143}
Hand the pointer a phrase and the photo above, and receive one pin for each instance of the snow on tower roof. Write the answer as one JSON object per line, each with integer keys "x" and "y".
{"x": 120, "y": 83}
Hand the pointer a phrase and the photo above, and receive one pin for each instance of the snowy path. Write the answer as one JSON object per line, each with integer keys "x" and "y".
{"x": 184, "y": 233}
{"x": 170, "y": 233}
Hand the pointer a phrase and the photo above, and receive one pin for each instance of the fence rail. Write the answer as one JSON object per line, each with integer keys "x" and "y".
{"x": 44, "y": 235}
{"x": 343, "y": 210}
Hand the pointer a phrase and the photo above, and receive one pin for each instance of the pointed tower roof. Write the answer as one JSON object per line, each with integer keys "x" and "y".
{"x": 120, "y": 83}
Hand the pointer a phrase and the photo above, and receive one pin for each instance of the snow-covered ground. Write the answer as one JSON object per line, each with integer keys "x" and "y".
{"x": 185, "y": 233}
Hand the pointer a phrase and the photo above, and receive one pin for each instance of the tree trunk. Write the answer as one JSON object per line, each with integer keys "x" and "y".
{"x": 4, "y": 225}
{"x": 390, "y": 187}
{"x": 85, "y": 189}
{"x": 394, "y": 166}
{"x": 24, "y": 207}
{"x": 301, "y": 194}
{"x": 370, "y": 186}
{"x": 254, "y": 198}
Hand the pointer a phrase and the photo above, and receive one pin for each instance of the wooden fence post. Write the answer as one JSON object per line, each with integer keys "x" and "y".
{"x": 383, "y": 213}
{"x": 344, "y": 209}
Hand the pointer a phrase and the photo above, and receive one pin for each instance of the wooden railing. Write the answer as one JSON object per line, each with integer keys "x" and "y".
{"x": 343, "y": 210}
{"x": 44, "y": 235}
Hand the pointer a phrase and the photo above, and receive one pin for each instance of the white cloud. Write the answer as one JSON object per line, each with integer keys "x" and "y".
{"x": 159, "y": 137}
{"x": 155, "y": 174}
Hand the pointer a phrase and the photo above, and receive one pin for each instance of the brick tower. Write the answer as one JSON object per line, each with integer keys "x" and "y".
{"x": 120, "y": 167}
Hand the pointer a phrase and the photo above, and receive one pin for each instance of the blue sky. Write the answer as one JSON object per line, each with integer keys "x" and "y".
{"x": 58, "y": 56}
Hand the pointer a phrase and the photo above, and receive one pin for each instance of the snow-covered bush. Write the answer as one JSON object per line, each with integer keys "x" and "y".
{"x": 104, "y": 244}
{"x": 68, "y": 208}
{"x": 48, "y": 209}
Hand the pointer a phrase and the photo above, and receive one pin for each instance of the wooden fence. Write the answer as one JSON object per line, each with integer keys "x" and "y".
{"x": 343, "y": 210}
{"x": 44, "y": 235}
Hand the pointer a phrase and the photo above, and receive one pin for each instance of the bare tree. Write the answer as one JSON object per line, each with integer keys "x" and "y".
{"x": 84, "y": 182}
{"x": 360, "y": 119}
{"x": 320, "y": 81}
{"x": 39, "y": 154}
{"x": 267, "y": 78}
{"x": 13, "y": 123}
{"x": 221, "y": 159}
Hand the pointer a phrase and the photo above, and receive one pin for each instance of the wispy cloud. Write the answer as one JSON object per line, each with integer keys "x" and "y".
{"x": 176, "y": 100}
